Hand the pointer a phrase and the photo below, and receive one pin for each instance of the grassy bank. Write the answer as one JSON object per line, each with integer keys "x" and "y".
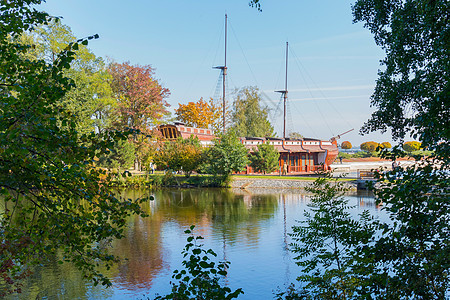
{"x": 167, "y": 180}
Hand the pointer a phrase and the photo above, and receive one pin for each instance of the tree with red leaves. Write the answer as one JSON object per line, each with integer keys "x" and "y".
{"x": 141, "y": 98}
{"x": 141, "y": 103}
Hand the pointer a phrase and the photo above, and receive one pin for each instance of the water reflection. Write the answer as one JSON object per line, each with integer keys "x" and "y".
{"x": 249, "y": 228}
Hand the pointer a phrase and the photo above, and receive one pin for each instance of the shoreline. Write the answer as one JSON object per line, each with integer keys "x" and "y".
{"x": 275, "y": 183}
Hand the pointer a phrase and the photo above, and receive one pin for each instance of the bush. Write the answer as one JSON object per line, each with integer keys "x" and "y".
{"x": 369, "y": 146}
{"x": 265, "y": 159}
{"x": 346, "y": 145}
{"x": 200, "y": 278}
{"x": 411, "y": 146}
{"x": 386, "y": 145}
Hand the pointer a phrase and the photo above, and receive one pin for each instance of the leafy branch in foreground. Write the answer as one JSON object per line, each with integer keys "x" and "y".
{"x": 200, "y": 278}
{"x": 54, "y": 199}
{"x": 412, "y": 253}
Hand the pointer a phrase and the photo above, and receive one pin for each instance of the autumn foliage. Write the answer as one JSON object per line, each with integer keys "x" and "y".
{"x": 140, "y": 97}
{"x": 411, "y": 146}
{"x": 203, "y": 114}
{"x": 180, "y": 155}
{"x": 369, "y": 146}
{"x": 386, "y": 145}
{"x": 346, "y": 145}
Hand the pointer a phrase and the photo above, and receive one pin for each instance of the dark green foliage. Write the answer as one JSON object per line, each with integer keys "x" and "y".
{"x": 412, "y": 254}
{"x": 200, "y": 278}
{"x": 265, "y": 159}
{"x": 256, "y": 4}
{"x": 226, "y": 156}
{"x": 55, "y": 199}
{"x": 91, "y": 101}
{"x": 119, "y": 156}
{"x": 412, "y": 90}
{"x": 327, "y": 245}
{"x": 412, "y": 97}
{"x": 250, "y": 118}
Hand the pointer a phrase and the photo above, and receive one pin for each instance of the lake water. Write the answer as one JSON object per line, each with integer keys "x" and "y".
{"x": 248, "y": 228}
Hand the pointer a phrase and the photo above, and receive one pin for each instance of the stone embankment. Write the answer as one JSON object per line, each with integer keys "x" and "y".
{"x": 272, "y": 183}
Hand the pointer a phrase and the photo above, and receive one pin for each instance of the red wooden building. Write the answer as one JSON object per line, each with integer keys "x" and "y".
{"x": 301, "y": 155}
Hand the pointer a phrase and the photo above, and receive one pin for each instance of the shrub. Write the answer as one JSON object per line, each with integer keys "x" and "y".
{"x": 369, "y": 146}
{"x": 386, "y": 145}
{"x": 200, "y": 278}
{"x": 411, "y": 146}
{"x": 346, "y": 145}
{"x": 265, "y": 159}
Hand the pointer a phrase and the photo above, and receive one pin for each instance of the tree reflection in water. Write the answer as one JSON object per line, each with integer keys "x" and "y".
{"x": 250, "y": 228}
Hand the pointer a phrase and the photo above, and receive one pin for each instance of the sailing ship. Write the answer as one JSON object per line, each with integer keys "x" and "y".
{"x": 297, "y": 155}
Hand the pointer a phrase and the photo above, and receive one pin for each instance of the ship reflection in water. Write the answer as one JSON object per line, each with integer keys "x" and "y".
{"x": 248, "y": 228}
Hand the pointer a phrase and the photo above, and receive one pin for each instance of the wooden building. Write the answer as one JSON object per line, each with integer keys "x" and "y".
{"x": 301, "y": 155}
{"x": 179, "y": 129}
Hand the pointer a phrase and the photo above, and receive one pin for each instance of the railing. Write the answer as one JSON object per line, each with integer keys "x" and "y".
{"x": 365, "y": 174}
{"x": 290, "y": 169}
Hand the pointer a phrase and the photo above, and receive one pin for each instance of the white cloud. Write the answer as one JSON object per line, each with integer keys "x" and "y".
{"x": 328, "y": 98}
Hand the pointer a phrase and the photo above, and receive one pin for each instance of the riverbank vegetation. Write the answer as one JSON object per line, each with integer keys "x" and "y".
{"x": 378, "y": 154}
{"x": 170, "y": 179}
{"x": 68, "y": 118}
{"x": 54, "y": 197}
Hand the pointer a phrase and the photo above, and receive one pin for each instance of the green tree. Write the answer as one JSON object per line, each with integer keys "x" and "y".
{"x": 411, "y": 146}
{"x": 411, "y": 253}
{"x": 180, "y": 155}
{"x": 265, "y": 158}
{"x": 119, "y": 156}
{"x": 327, "y": 245}
{"x": 226, "y": 156}
{"x": 91, "y": 100}
{"x": 249, "y": 116}
{"x": 411, "y": 93}
{"x": 411, "y": 97}
{"x": 346, "y": 145}
{"x": 55, "y": 199}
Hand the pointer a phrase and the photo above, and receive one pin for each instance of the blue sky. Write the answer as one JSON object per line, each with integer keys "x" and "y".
{"x": 333, "y": 63}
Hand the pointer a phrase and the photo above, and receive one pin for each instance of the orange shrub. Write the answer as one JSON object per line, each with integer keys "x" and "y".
{"x": 369, "y": 146}
{"x": 346, "y": 145}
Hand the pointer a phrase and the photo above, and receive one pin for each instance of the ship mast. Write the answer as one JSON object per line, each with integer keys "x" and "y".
{"x": 284, "y": 92}
{"x": 224, "y": 73}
